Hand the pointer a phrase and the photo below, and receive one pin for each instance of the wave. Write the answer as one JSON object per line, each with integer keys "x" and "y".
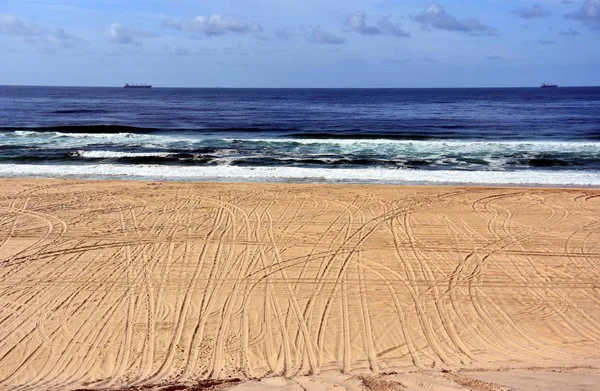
{"x": 80, "y": 111}
{"x": 301, "y": 174}
{"x": 145, "y": 157}
{"x": 396, "y": 132}
{"x": 361, "y": 135}
{"x": 307, "y": 161}
{"x": 545, "y": 162}
{"x": 113, "y": 128}
{"x": 431, "y": 144}
{"x": 328, "y": 133}
{"x": 170, "y": 160}
{"x": 118, "y": 154}
{"x": 53, "y": 134}
{"x": 12, "y": 147}
{"x": 190, "y": 143}
{"x": 516, "y": 162}
{"x": 266, "y": 128}
{"x": 88, "y": 129}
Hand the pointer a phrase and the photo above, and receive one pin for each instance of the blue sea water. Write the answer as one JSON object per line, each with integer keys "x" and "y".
{"x": 523, "y": 136}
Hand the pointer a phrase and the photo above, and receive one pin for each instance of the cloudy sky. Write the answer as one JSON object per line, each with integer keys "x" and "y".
{"x": 300, "y": 43}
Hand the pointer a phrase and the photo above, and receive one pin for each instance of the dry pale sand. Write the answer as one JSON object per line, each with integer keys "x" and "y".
{"x": 163, "y": 286}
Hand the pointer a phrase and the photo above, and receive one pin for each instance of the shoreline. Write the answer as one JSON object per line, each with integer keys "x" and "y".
{"x": 489, "y": 186}
{"x": 296, "y": 175}
{"x": 127, "y": 285}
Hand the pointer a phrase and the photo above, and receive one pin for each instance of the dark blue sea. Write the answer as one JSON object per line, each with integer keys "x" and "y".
{"x": 525, "y": 136}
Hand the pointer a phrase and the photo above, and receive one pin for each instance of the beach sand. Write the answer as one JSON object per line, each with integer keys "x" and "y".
{"x": 162, "y": 286}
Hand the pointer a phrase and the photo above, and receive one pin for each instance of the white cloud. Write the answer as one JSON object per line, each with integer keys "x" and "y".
{"x": 127, "y": 35}
{"x": 58, "y": 37}
{"x": 357, "y": 22}
{"x": 49, "y": 38}
{"x": 387, "y": 27}
{"x": 322, "y": 37}
{"x": 213, "y": 25}
{"x": 589, "y": 14}
{"x": 11, "y": 25}
{"x": 436, "y": 17}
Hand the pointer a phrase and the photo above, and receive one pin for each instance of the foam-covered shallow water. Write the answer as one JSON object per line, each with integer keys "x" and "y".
{"x": 300, "y": 174}
{"x": 479, "y": 136}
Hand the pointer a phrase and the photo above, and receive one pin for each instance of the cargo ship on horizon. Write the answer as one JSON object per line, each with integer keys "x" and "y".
{"x": 547, "y": 85}
{"x": 127, "y": 85}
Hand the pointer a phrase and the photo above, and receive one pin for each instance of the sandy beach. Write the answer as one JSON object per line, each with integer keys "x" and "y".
{"x": 173, "y": 286}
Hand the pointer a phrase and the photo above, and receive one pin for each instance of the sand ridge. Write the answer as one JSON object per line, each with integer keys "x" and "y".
{"x": 128, "y": 284}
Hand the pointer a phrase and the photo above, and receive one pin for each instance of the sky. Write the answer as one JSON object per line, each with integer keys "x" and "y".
{"x": 300, "y": 43}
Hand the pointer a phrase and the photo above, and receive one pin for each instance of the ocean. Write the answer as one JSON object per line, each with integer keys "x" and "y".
{"x": 507, "y": 136}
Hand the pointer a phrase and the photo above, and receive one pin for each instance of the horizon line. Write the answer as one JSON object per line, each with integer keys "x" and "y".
{"x": 294, "y": 88}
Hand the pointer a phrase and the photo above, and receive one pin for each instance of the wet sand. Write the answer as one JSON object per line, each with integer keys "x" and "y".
{"x": 137, "y": 285}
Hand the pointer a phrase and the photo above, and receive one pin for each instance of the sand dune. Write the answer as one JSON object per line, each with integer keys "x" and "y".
{"x": 108, "y": 285}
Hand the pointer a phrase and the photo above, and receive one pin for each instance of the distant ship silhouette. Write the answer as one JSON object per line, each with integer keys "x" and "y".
{"x": 127, "y": 85}
{"x": 546, "y": 85}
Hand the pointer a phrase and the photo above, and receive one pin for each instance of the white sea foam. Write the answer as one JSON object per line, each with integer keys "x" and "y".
{"x": 385, "y": 146}
{"x": 30, "y": 133}
{"x": 436, "y": 145}
{"x": 100, "y": 135}
{"x": 300, "y": 174}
